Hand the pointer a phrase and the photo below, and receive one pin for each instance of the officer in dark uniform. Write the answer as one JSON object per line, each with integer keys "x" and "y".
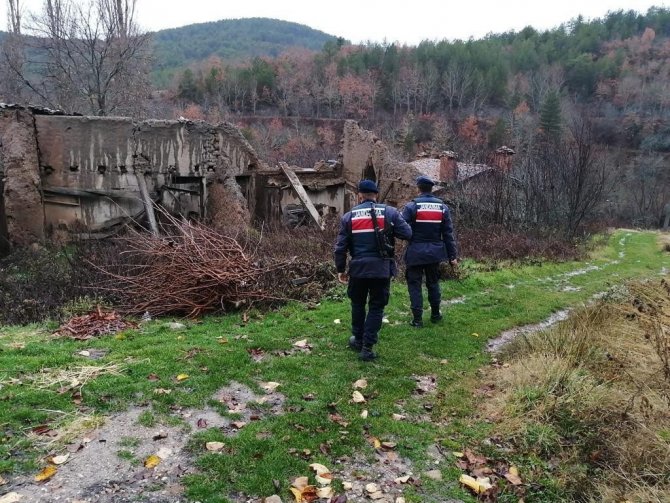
{"x": 432, "y": 242}
{"x": 372, "y": 263}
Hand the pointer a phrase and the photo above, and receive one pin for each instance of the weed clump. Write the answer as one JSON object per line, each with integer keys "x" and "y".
{"x": 591, "y": 400}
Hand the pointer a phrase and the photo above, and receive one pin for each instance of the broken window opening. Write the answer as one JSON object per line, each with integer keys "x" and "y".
{"x": 369, "y": 172}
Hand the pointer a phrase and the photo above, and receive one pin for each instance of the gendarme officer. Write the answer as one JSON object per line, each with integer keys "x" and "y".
{"x": 368, "y": 236}
{"x": 432, "y": 242}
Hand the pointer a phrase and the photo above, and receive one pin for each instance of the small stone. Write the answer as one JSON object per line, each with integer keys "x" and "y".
{"x": 272, "y": 499}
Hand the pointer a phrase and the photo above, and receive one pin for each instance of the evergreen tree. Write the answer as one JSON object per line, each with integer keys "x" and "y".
{"x": 550, "y": 114}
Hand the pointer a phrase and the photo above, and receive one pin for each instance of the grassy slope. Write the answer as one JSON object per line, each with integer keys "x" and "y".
{"x": 494, "y": 301}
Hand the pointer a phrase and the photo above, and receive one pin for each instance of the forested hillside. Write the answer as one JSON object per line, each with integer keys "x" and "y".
{"x": 229, "y": 39}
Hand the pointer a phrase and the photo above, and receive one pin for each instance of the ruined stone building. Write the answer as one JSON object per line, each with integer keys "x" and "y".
{"x": 67, "y": 174}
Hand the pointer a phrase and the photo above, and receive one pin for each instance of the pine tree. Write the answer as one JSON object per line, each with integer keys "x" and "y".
{"x": 550, "y": 114}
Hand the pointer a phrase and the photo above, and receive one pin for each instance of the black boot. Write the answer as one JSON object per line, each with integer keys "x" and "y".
{"x": 366, "y": 354}
{"x": 435, "y": 314}
{"x": 355, "y": 344}
{"x": 417, "y": 321}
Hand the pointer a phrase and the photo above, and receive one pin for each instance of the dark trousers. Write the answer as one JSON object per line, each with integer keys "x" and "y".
{"x": 373, "y": 293}
{"x": 414, "y": 278}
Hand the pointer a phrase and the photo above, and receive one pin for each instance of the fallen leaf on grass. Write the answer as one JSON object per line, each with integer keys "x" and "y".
{"x": 361, "y": 384}
{"x": 11, "y": 498}
{"x": 324, "y": 492}
{"x": 302, "y": 344}
{"x": 347, "y": 486}
{"x": 389, "y": 445}
{"x": 402, "y": 480}
{"x": 270, "y": 386}
{"x": 364, "y": 414}
{"x": 336, "y": 418}
{"x": 59, "y": 460}
{"x": 319, "y": 468}
{"x": 475, "y": 334}
{"x": 152, "y": 377}
{"x": 222, "y": 340}
{"x": 3, "y": 481}
{"x": 513, "y": 476}
{"x": 238, "y": 424}
{"x": 46, "y": 473}
{"x": 357, "y": 397}
{"x": 256, "y": 354}
{"x": 337, "y": 322}
{"x": 152, "y": 461}
{"x": 376, "y": 443}
{"x": 182, "y": 377}
{"x": 214, "y": 446}
{"x": 399, "y": 417}
{"x": 84, "y": 353}
{"x": 162, "y": 391}
{"x": 478, "y": 485}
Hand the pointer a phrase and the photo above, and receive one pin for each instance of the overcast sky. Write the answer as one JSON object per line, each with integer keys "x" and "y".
{"x": 406, "y": 22}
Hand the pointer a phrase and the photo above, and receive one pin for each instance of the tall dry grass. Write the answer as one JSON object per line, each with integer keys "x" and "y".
{"x": 591, "y": 398}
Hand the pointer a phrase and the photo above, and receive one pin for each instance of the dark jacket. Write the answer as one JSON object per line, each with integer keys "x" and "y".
{"x": 432, "y": 231}
{"x": 357, "y": 238}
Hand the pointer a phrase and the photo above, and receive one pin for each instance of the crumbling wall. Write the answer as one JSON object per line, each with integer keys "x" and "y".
{"x": 364, "y": 155}
{"x": 90, "y": 167}
{"x": 24, "y": 214}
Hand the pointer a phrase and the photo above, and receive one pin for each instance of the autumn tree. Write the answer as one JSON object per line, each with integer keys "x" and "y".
{"x": 87, "y": 55}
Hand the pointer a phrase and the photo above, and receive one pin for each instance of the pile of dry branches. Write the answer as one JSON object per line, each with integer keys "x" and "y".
{"x": 192, "y": 269}
{"x": 93, "y": 324}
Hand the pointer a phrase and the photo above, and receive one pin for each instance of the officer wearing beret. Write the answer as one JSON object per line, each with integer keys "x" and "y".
{"x": 372, "y": 263}
{"x": 432, "y": 242}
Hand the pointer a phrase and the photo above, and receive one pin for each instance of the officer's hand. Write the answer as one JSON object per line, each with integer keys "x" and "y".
{"x": 454, "y": 262}
{"x": 342, "y": 277}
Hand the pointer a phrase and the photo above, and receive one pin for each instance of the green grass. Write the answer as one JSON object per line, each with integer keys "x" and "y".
{"x": 495, "y": 300}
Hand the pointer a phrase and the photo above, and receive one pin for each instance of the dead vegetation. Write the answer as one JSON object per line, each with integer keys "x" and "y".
{"x": 193, "y": 269}
{"x": 591, "y": 399}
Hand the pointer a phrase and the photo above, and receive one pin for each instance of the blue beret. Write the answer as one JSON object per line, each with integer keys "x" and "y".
{"x": 424, "y": 180}
{"x": 367, "y": 186}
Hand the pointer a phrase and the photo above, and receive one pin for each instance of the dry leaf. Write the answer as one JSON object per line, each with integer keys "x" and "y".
{"x": 364, "y": 414}
{"x": 377, "y": 496}
{"x": 152, "y": 461}
{"x": 214, "y": 446}
{"x": 475, "y": 334}
{"x": 11, "y": 498}
{"x": 389, "y": 445}
{"x": 300, "y": 483}
{"x": 402, "y": 480}
{"x": 84, "y": 353}
{"x": 239, "y": 424}
{"x": 513, "y": 476}
{"x": 357, "y": 397}
{"x": 400, "y": 499}
{"x": 46, "y": 473}
{"x": 337, "y": 322}
{"x": 319, "y": 468}
{"x": 361, "y": 384}
{"x": 324, "y": 492}
{"x": 162, "y": 391}
{"x": 399, "y": 417}
{"x": 301, "y": 344}
{"x": 270, "y": 386}
{"x": 182, "y": 377}
{"x": 458, "y": 454}
{"x": 201, "y": 423}
{"x": 59, "y": 460}
{"x": 347, "y": 486}
{"x": 371, "y": 488}
{"x": 3, "y": 481}
{"x": 478, "y": 485}
{"x": 376, "y": 443}
{"x": 324, "y": 478}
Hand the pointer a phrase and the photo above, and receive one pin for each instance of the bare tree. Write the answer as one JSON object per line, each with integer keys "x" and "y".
{"x": 12, "y": 54}
{"x": 89, "y": 55}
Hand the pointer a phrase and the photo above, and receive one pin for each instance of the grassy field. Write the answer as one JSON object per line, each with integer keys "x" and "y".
{"x": 36, "y": 373}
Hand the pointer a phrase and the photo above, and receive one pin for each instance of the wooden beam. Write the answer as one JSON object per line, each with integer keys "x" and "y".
{"x": 148, "y": 203}
{"x": 302, "y": 194}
